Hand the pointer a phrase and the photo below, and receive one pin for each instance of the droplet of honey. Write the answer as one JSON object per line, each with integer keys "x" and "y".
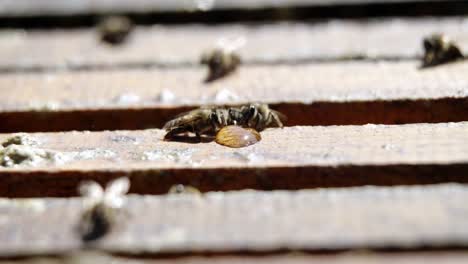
{"x": 237, "y": 137}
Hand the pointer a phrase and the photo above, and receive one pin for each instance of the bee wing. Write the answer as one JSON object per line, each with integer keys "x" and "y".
{"x": 280, "y": 115}
{"x": 90, "y": 189}
{"x": 118, "y": 187}
{"x": 277, "y": 118}
{"x": 186, "y": 113}
{"x": 115, "y": 190}
{"x": 171, "y": 123}
{"x": 185, "y": 119}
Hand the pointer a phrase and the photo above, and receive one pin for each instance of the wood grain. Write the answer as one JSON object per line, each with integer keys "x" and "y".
{"x": 369, "y": 257}
{"x": 249, "y": 221}
{"x": 329, "y": 82}
{"x": 57, "y": 7}
{"x": 289, "y": 158}
{"x": 311, "y": 94}
{"x": 267, "y": 43}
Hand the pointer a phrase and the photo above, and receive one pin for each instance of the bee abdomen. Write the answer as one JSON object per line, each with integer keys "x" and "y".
{"x": 96, "y": 223}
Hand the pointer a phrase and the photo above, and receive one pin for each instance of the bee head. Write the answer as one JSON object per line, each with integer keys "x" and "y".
{"x": 435, "y": 42}
{"x": 248, "y": 113}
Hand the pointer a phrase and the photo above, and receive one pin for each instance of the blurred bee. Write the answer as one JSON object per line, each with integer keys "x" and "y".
{"x": 209, "y": 120}
{"x": 222, "y": 60}
{"x": 183, "y": 189}
{"x": 439, "y": 49}
{"x": 115, "y": 29}
{"x": 103, "y": 209}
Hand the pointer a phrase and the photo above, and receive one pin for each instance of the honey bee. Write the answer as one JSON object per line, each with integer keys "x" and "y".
{"x": 237, "y": 137}
{"x": 439, "y": 49}
{"x": 115, "y": 29}
{"x": 220, "y": 63}
{"x": 223, "y": 59}
{"x": 103, "y": 211}
{"x": 209, "y": 120}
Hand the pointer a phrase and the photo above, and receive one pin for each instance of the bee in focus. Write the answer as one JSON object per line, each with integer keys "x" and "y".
{"x": 223, "y": 59}
{"x": 114, "y": 30}
{"x": 183, "y": 189}
{"x": 209, "y": 120}
{"x": 237, "y": 137}
{"x": 104, "y": 208}
{"x": 439, "y": 49}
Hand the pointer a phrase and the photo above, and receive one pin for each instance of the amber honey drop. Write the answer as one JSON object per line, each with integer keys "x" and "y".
{"x": 237, "y": 137}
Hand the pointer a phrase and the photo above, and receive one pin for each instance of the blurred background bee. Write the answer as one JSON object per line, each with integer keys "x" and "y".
{"x": 183, "y": 189}
{"x": 223, "y": 59}
{"x": 439, "y": 49}
{"x": 114, "y": 30}
{"x": 102, "y": 207}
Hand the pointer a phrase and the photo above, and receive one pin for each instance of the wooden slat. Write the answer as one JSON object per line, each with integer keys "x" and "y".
{"x": 267, "y": 43}
{"x": 310, "y": 94}
{"x": 446, "y": 257}
{"x": 289, "y": 158}
{"x": 369, "y": 217}
{"x": 57, "y": 7}
{"x": 332, "y": 82}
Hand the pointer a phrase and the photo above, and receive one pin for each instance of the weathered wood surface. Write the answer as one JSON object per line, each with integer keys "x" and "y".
{"x": 332, "y": 82}
{"x": 58, "y": 7}
{"x": 353, "y": 257}
{"x": 289, "y": 158}
{"x": 333, "y": 219}
{"x": 310, "y": 94}
{"x": 265, "y": 43}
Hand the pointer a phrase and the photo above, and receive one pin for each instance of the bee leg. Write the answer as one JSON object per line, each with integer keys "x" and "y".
{"x": 277, "y": 120}
{"x": 258, "y": 124}
{"x": 197, "y": 133}
{"x": 214, "y": 118}
{"x": 198, "y": 136}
